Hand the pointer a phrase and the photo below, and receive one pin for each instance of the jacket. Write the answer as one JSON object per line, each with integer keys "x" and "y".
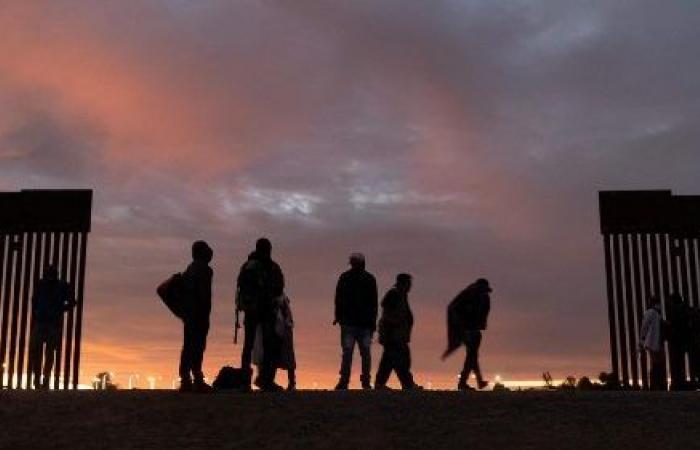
{"x": 356, "y": 302}
{"x": 396, "y": 323}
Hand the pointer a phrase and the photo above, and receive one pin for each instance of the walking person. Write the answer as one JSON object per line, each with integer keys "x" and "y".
{"x": 356, "y": 307}
{"x": 260, "y": 284}
{"x": 651, "y": 340}
{"x": 395, "y": 328}
{"x": 467, "y": 317}
{"x": 198, "y": 281}
{"x": 52, "y": 298}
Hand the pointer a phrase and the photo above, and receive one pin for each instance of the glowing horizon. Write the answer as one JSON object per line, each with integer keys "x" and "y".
{"x": 450, "y": 141}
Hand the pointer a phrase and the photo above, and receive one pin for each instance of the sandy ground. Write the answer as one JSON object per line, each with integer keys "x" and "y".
{"x": 349, "y": 420}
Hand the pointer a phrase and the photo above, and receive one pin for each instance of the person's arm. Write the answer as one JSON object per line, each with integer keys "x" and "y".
{"x": 204, "y": 285}
{"x": 339, "y": 297}
{"x": 69, "y": 297}
{"x": 389, "y": 304}
{"x": 487, "y": 308}
{"x": 374, "y": 302}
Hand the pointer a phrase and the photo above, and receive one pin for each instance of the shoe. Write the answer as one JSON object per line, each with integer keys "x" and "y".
{"x": 201, "y": 387}
{"x": 366, "y": 387}
{"x": 465, "y": 388}
{"x": 341, "y": 386}
{"x": 185, "y": 386}
{"x": 414, "y": 387}
{"x": 483, "y": 383}
{"x": 382, "y": 387}
{"x": 291, "y": 387}
{"x": 272, "y": 387}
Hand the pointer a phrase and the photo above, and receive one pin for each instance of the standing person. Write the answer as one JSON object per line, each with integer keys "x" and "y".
{"x": 694, "y": 351}
{"x": 260, "y": 284}
{"x": 395, "y": 328}
{"x": 467, "y": 315}
{"x": 356, "y": 307}
{"x": 198, "y": 280}
{"x": 284, "y": 328}
{"x": 650, "y": 339}
{"x": 52, "y": 297}
{"x": 678, "y": 339}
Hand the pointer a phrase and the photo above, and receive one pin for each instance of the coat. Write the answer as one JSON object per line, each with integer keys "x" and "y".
{"x": 650, "y": 333}
{"x": 467, "y": 312}
{"x": 356, "y": 299}
{"x": 396, "y": 323}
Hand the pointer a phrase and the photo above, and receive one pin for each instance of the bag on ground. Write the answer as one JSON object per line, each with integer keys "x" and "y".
{"x": 231, "y": 378}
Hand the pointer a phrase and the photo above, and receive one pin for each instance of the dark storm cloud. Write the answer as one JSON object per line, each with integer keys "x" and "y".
{"x": 451, "y": 139}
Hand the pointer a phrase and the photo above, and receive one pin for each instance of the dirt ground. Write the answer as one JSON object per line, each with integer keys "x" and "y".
{"x": 349, "y": 420}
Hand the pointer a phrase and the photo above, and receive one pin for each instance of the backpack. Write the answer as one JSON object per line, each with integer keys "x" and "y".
{"x": 173, "y": 292}
{"x": 250, "y": 286}
{"x": 231, "y": 378}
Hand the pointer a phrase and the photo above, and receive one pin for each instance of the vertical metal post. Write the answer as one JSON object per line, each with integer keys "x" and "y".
{"x": 79, "y": 308}
{"x": 631, "y": 319}
{"x": 69, "y": 324}
{"x": 27, "y": 278}
{"x": 611, "y": 307}
{"x": 620, "y": 301}
{"x": 58, "y": 366}
{"x": 16, "y": 291}
{"x": 639, "y": 302}
{"x": 5, "y": 274}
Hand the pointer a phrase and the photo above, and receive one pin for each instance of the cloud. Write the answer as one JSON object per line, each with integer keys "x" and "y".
{"x": 450, "y": 139}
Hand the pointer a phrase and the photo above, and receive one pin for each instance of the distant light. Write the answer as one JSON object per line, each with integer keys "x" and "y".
{"x": 498, "y": 378}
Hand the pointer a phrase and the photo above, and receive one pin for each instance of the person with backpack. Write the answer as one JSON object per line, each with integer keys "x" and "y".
{"x": 195, "y": 316}
{"x": 395, "y": 328}
{"x": 260, "y": 282}
{"x": 356, "y": 307}
{"x": 52, "y": 298}
{"x": 467, "y": 315}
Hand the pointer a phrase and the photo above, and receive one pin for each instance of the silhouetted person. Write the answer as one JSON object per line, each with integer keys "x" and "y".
{"x": 284, "y": 327}
{"x": 356, "y": 312}
{"x": 52, "y": 297}
{"x": 694, "y": 350}
{"x": 651, "y": 340}
{"x": 198, "y": 280}
{"x": 467, "y": 315}
{"x": 260, "y": 284}
{"x": 678, "y": 339}
{"x": 395, "y": 328}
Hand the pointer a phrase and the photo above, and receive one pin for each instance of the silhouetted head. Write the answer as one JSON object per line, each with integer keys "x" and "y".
{"x": 676, "y": 298}
{"x": 202, "y": 252}
{"x": 404, "y": 282}
{"x": 654, "y": 302}
{"x": 263, "y": 248}
{"x": 51, "y": 272}
{"x": 357, "y": 261}
{"x": 482, "y": 284}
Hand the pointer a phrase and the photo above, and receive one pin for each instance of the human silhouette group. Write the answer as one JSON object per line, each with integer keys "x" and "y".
{"x": 268, "y": 323}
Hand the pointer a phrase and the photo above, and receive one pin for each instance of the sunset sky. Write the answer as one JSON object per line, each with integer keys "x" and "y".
{"x": 451, "y": 139}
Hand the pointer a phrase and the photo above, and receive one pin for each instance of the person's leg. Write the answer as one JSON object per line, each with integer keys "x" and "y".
{"x": 658, "y": 371}
{"x": 384, "y": 369}
{"x": 364, "y": 340}
{"x": 402, "y": 365}
{"x": 291, "y": 379}
{"x": 52, "y": 337}
{"x": 467, "y": 368}
{"x": 347, "y": 344}
{"x": 250, "y": 325}
{"x": 36, "y": 349}
{"x": 271, "y": 346}
{"x": 186, "y": 356}
{"x": 677, "y": 363}
{"x": 475, "y": 360}
{"x": 199, "y": 345}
